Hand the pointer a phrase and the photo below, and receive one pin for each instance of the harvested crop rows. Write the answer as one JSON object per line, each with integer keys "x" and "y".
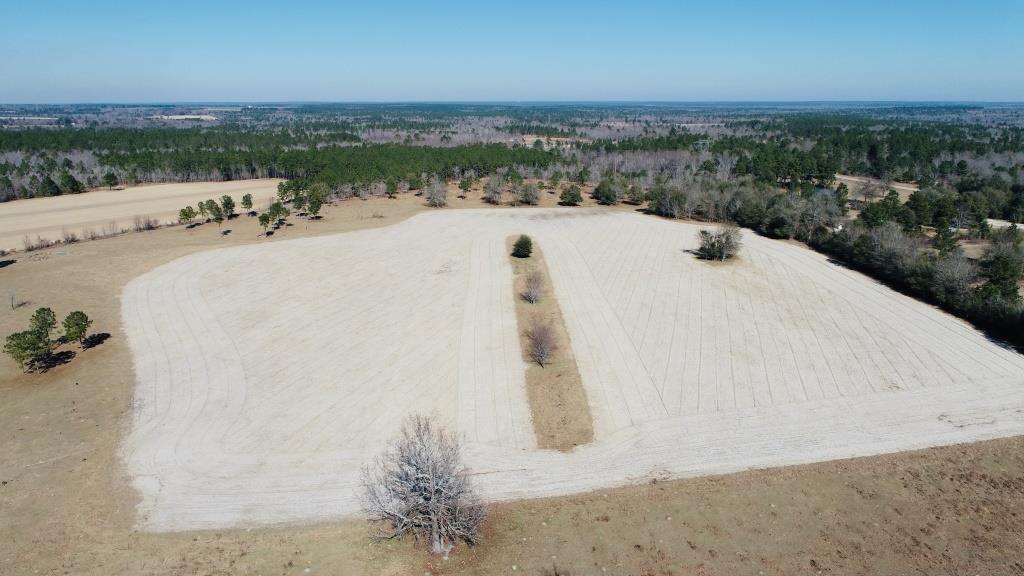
{"x": 268, "y": 374}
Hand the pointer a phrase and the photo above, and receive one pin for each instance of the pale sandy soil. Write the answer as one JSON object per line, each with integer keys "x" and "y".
{"x": 267, "y": 375}
{"x": 114, "y": 210}
{"x": 68, "y": 508}
{"x": 996, "y": 223}
{"x": 855, "y": 183}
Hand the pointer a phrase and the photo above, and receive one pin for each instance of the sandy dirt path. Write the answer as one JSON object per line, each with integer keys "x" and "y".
{"x": 102, "y": 210}
{"x": 267, "y": 375}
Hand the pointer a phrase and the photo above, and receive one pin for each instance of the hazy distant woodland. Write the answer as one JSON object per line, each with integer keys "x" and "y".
{"x": 767, "y": 167}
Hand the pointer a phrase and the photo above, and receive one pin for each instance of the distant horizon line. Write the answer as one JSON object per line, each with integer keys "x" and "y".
{"x": 513, "y": 102}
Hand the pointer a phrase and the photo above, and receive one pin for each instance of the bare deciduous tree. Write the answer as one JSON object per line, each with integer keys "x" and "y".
{"x": 534, "y": 287}
{"x": 492, "y": 190}
{"x": 437, "y": 194}
{"x": 420, "y": 487}
{"x": 541, "y": 339}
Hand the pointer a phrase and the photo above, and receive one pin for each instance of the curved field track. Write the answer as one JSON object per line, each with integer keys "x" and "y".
{"x": 268, "y": 374}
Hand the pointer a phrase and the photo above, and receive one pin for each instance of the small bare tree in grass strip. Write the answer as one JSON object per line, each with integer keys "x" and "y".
{"x": 419, "y": 486}
{"x": 534, "y": 287}
{"x": 541, "y": 339}
{"x": 721, "y": 244}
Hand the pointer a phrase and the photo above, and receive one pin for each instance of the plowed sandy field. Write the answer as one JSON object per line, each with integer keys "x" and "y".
{"x": 268, "y": 374}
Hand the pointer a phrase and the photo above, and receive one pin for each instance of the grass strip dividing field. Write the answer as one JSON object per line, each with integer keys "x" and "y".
{"x": 558, "y": 403}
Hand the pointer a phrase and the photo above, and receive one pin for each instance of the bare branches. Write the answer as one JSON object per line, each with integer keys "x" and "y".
{"x": 437, "y": 194}
{"x": 492, "y": 191}
{"x": 721, "y": 244}
{"x": 419, "y": 486}
{"x": 534, "y": 287}
{"x": 542, "y": 345}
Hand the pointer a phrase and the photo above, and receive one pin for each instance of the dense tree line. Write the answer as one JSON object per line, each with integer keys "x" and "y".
{"x": 673, "y": 141}
{"x": 911, "y": 246}
{"x": 986, "y": 293}
{"x": 362, "y": 165}
{"x": 911, "y": 150}
{"x": 194, "y": 140}
{"x": 545, "y": 130}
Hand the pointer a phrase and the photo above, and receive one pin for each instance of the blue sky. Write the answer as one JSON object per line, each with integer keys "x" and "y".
{"x": 155, "y": 51}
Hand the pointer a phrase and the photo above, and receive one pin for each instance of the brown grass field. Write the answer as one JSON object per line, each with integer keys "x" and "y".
{"x": 107, "y": 212}
{"x": 558, "y": 402}
{"x": 67, "y": 506}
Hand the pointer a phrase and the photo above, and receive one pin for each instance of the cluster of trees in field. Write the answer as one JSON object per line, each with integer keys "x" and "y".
{"x": 214, "y": 210}
{"x": 33, "y": 348}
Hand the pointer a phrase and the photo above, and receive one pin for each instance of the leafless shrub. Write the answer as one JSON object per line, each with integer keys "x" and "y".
{"x": 954, "y": 273}
{"x": 492, "y": 191}
{"x": 534, "y": 288}
{"x": 419, "y": 486}
{"x": 38, "y": 244}
{"x": 143, "y": 223}
{"x": 68, "y": 237}
{"x": 437, "y": 194}
{"x": 541, "y": 338}
{"x": 721, "y": 244}
{"x": 528, "y": 194}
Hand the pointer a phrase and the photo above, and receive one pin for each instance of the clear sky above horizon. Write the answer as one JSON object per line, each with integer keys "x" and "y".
{"x": 156, "y": 51}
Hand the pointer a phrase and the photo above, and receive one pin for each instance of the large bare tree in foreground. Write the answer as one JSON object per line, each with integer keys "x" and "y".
{"x": 419, "y": 486}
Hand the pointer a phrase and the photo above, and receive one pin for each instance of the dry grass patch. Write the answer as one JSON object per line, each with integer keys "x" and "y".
{"x": 558, "y": 403}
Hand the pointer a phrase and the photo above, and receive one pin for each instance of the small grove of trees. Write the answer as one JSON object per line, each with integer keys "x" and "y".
{"x": 420, "y": 487}
{"x": 211, "y": 210}
{"x": 274, "y": 215}
{"x": 523, "y": 247}
{"x": 33, "y": 348}
{"x": 721, "y": 244}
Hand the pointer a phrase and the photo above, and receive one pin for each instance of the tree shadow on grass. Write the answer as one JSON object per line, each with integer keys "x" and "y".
{"x": 93, "y": 340}
{"x": 6, "y": 263}
{"x": 53, "y": 360}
